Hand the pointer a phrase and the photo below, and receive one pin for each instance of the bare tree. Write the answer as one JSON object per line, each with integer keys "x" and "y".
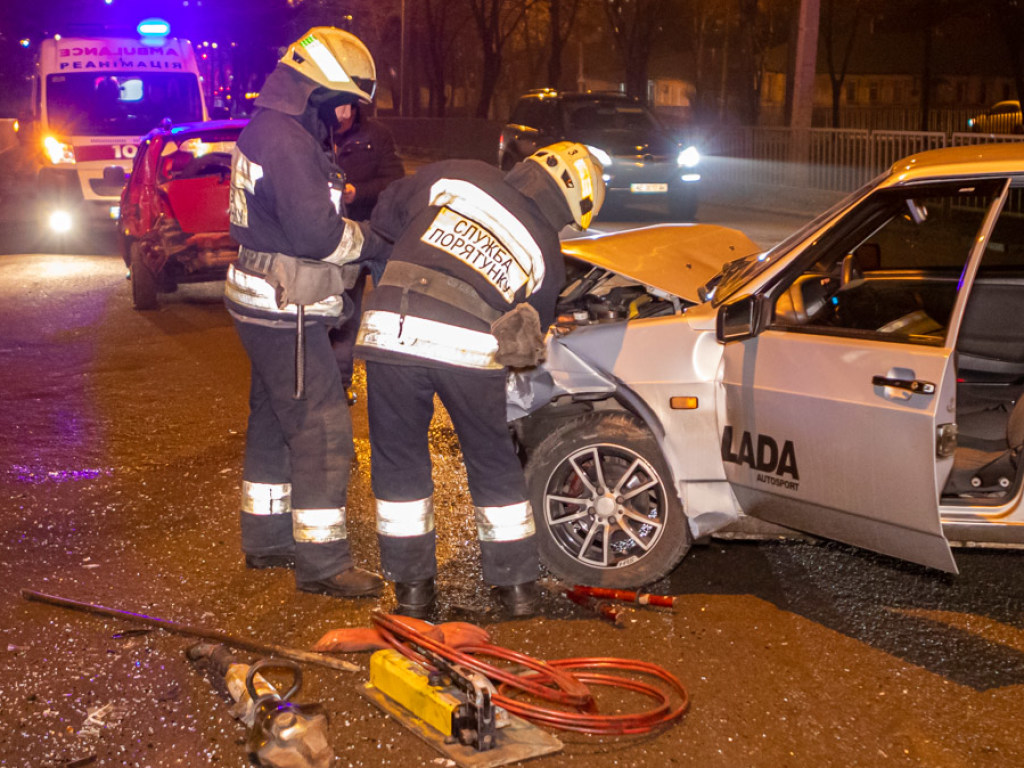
{"x": 1008, "y": 17}
{"x": 561, "y": 19}
{"x": 840, "y": 22}
{"x": 495, "y": 21}
{"x": 635, "y": 26}
{"x": 442, "y": 21}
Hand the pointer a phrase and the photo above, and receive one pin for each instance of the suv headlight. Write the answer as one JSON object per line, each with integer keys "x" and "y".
{"x": 58, "y": 152}
{"x": 688, "y": 158}
{"x": 600, "y": 155}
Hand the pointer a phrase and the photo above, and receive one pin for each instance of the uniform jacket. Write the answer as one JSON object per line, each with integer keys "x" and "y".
{"x": 471, "y": 221}
{"x": 366, "y": 153}
{"x": 286, "y": 198}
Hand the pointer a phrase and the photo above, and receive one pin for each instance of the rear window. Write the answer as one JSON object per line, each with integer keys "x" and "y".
{"x": 535, "y": 113}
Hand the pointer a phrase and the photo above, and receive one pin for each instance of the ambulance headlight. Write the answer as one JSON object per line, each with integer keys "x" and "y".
{"x": 58, "y": 152}
{"x": 61, "y": 222}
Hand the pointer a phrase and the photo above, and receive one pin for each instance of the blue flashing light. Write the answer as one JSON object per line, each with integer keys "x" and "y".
{"x": 153, "y": 28}
{"x": 24, "y": 42}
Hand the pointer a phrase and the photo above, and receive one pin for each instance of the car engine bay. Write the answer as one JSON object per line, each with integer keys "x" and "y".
{"x": 595, "y": 295}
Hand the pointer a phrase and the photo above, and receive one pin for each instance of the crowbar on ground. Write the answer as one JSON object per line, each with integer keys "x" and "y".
{"x": 186, "y": 629}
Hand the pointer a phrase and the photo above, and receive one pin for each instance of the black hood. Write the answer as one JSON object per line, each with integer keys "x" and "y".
{"x": 292, "y": 93}
{"x": 285, "y": 90}
{"x": 534, "y": 182}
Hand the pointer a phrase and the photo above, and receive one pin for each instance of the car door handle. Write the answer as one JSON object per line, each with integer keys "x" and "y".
{"x": 916, "y": 386}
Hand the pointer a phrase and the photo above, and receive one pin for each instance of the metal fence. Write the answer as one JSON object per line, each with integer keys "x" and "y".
{"x": 834, "y": 160}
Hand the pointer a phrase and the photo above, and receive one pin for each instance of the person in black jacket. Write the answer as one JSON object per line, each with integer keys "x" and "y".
{"x": 471, "y": 284}
{"x": 297, "y": 256}
{"x": 365, "y": 150}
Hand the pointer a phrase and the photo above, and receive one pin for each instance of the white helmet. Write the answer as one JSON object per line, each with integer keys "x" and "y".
{"x": 579, "y": 177}
{"x": 334, "y": 59}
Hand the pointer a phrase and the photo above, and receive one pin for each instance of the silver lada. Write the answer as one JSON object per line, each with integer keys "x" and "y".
{"x": 859, "y": 381}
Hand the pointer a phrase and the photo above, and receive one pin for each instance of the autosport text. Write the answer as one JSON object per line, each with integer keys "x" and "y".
{"x": 471, "y": 243}
{"x": 775, "y": 466}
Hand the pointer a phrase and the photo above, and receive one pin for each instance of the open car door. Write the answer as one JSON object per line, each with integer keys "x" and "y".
{"x": 839, "y": 417}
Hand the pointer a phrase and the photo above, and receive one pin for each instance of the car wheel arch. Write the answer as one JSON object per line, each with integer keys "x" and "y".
{"x": 620, "y": 441}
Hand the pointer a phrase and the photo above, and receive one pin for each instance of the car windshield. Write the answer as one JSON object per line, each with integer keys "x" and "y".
{"x": 120, "y": 104}
{"x": 736, "y": 274}
{"x": 598, "y": 115}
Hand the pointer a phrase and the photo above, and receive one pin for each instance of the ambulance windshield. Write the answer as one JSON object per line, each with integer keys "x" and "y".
{"x": 122, "y": 103}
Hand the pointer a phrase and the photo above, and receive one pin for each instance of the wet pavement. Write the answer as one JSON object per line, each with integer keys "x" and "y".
{"x": 120, "y": 467}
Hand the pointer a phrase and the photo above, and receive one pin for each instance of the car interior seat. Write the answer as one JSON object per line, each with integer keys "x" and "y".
{"x": 982, "y": 465}
{"x": 990, "y": 339}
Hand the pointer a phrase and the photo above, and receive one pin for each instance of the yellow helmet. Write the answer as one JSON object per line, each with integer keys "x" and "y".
{"x": 579, "y": 177}
{"x": 334, "y": 59}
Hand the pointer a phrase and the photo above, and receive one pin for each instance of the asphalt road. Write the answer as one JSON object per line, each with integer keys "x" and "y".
{"x": 119, "y": 472}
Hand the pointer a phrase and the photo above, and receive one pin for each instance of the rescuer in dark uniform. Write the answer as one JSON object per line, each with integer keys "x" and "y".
{"x": 471, "y": 285}
{"x": 365, "y": 150}
{"x": 284, "y": 293}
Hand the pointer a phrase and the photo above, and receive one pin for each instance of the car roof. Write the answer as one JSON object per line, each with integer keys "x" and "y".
{"x": 550, "y": 93}
{"x": 975, "y": 160}
{"x": 204, "y": 126}
{"x": 208, "y": 125}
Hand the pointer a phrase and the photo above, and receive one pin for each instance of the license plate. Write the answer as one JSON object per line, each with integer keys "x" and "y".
{"x": 648, "y": 188}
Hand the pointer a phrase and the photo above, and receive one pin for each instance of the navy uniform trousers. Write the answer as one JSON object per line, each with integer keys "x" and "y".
{"x": 305, "y": 444}
{"x": 400, "y": 401}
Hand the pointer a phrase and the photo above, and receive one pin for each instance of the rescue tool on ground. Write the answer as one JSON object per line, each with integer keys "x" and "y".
{"x": 434, "y": 680}
{"x": 241, "y": 643}
{"x": 281, "y": 733}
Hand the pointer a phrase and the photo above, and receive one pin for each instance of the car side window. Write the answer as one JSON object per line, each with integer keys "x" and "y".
{"x": 892, "y": 269}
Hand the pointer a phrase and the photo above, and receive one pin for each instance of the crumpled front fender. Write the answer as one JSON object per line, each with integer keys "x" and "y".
{"x": 564, "y": 372}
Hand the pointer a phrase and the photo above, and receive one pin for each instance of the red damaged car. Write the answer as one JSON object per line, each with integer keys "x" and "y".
{"x": 174, "y": 208}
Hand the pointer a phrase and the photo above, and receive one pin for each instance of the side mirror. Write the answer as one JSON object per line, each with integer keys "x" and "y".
{"x": 739, "y": 319}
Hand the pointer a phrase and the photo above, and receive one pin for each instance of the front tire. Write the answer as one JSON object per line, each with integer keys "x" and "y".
{"x": 142, "y": 279}
{"x": 604, "y": 503}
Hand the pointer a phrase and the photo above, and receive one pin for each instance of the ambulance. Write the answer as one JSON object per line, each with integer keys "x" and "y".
{"x": 93, "y": 98}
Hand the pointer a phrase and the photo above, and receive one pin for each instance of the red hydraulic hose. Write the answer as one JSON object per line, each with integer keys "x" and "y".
{"x": 553, "y": 682}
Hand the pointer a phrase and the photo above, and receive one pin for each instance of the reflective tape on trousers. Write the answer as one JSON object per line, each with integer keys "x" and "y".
{"x": 266, "y": 498}
{"x": 405, "y": 518}
{"x": 318, "y": 525}
{"x": 509, "y": 523}
{"x": 428, "y": 339}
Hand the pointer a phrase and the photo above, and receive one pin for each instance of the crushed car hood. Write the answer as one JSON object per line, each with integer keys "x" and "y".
{"x": 675, "y": 258}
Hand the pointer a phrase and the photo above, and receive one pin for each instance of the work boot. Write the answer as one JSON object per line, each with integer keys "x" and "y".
{"x": 259, "y": 562}
{"x": 519, "y": 600}
{"x": 354, "y": 582}
{"x": 415, "y": 598}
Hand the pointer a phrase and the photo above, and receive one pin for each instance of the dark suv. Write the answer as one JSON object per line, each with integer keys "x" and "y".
{"x": 641, "y": 158}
